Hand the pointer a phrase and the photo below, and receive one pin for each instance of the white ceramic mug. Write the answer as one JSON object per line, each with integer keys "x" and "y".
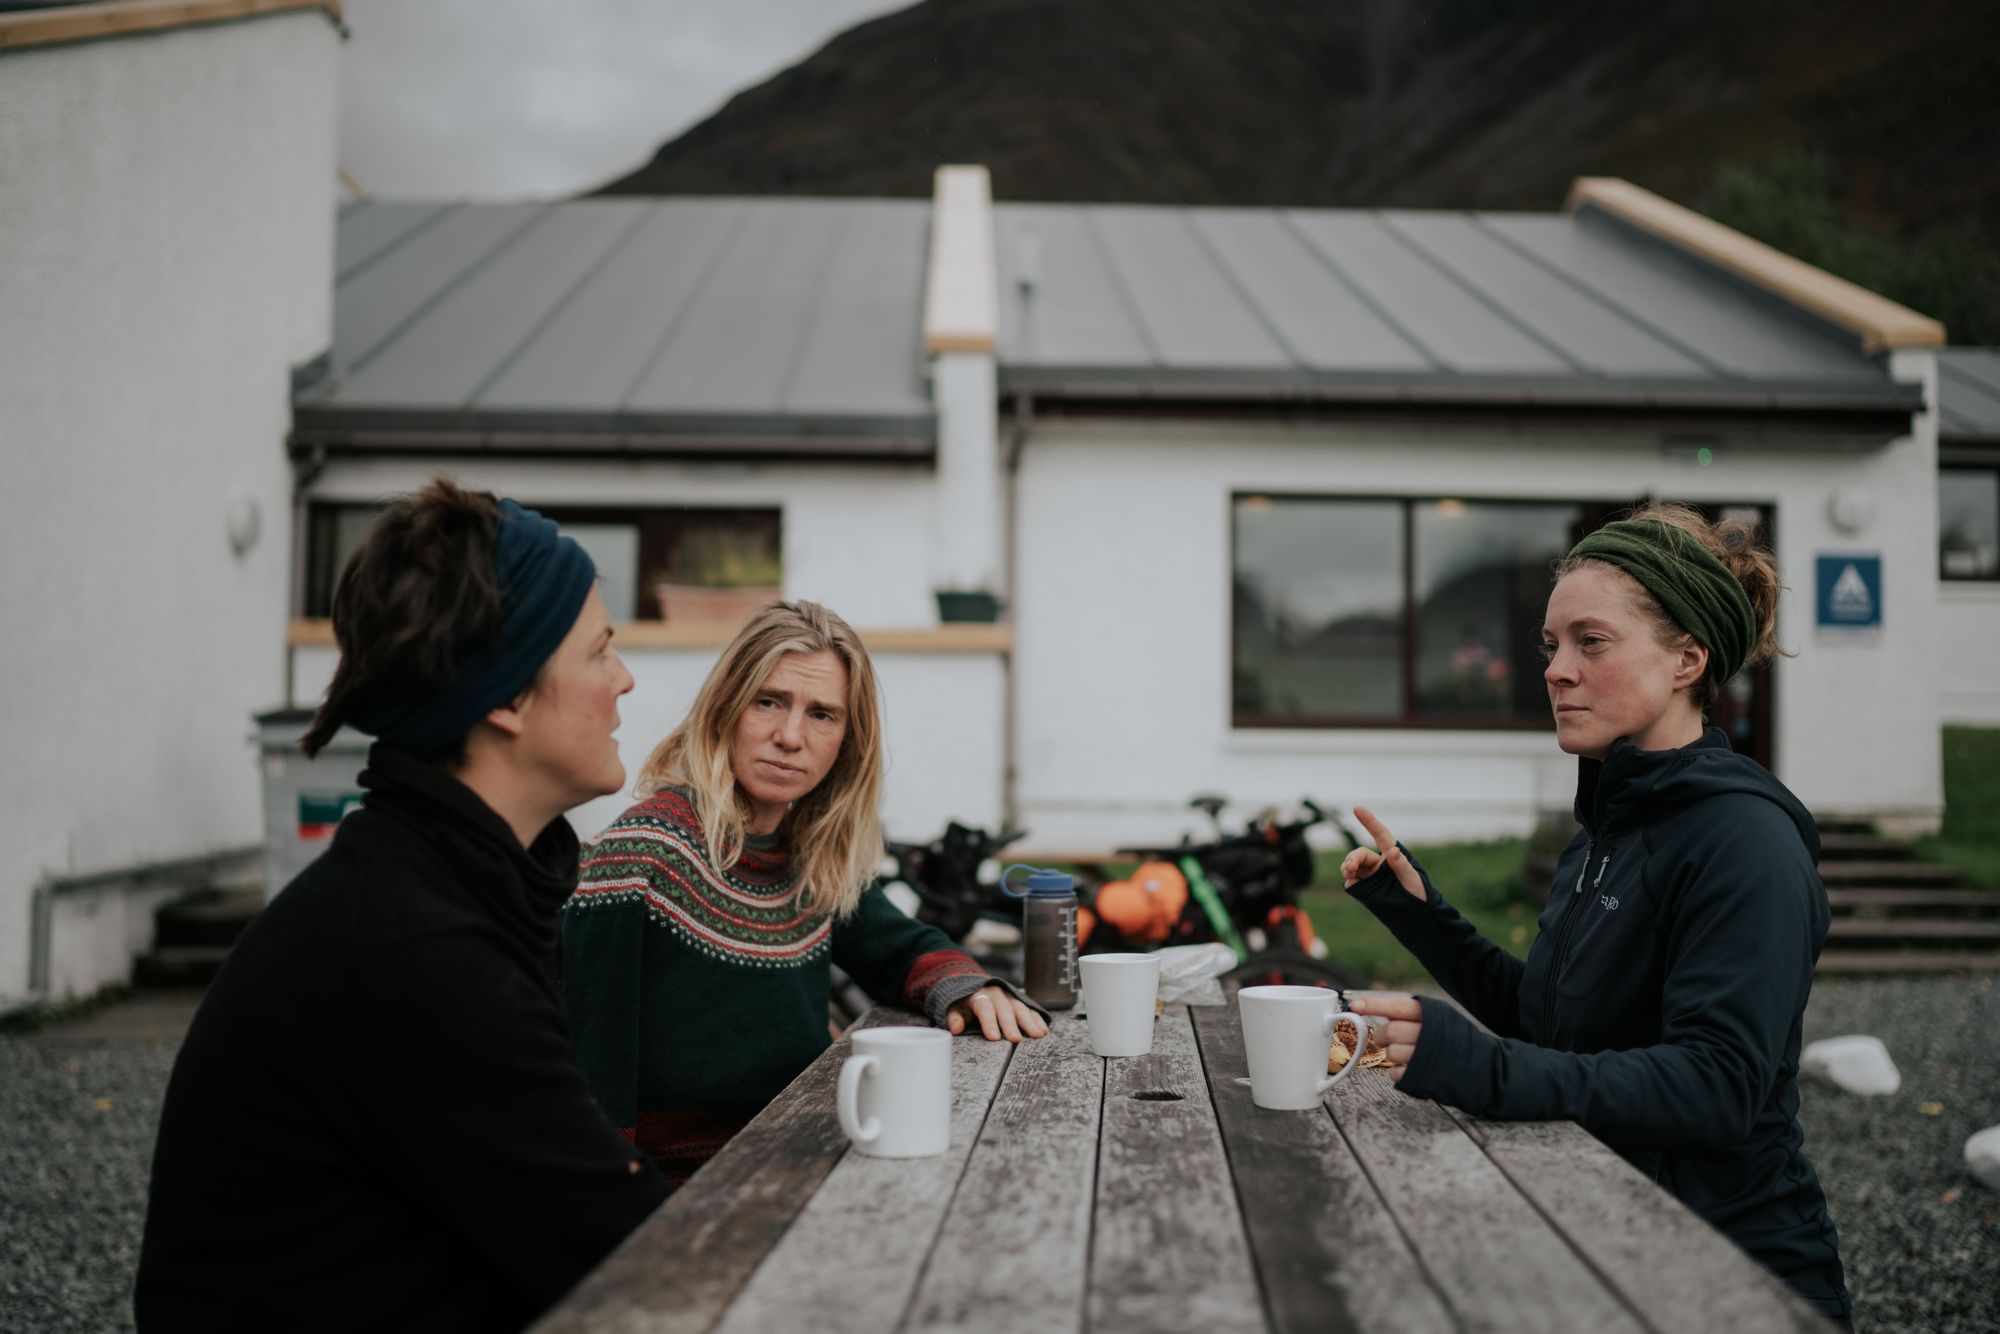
{"x": 894, "y": 1096}
{"x": 1120, "y": 996}
{"x": 1287, "y": 1036}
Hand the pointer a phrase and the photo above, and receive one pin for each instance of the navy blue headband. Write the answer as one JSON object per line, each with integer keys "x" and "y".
{"x": 544, "y": 579}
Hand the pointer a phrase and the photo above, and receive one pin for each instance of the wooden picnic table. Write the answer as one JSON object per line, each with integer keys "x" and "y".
{"x": 1150, "y": 1194}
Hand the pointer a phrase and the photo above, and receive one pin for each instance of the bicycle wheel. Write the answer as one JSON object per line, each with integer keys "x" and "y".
{"x": 1289, "y": 968}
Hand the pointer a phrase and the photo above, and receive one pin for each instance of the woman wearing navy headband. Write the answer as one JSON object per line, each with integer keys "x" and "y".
{"x": 376, "y": 1120}
{"x": 1662, "y": 1004}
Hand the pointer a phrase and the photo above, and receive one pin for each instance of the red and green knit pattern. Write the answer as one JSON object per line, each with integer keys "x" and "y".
{"x": 696, "y": 994}
{"x": 748, "y": 914}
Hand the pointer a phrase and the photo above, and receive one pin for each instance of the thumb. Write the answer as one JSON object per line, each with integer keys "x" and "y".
{"x": 1406, "y": 874}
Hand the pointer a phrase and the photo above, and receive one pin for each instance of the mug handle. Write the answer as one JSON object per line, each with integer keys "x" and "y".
{"x": 847, "y": 1101}
{"x": 1360, "y": 1023}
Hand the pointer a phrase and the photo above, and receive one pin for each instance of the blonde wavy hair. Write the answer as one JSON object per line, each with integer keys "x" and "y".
{"x": 834, "y": 831}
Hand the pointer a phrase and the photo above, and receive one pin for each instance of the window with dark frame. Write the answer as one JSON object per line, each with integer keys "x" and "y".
{"x": 1969, "y": 523}
{"x": 1395, "y": 611}
{"x": 648, "y": 560}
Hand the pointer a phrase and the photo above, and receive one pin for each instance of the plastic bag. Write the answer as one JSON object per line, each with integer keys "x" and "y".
{"x": 1192, "y": 974}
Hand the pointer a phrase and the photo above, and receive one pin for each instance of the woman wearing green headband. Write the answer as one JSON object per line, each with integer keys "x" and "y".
{"x": 1661, "y": 1005}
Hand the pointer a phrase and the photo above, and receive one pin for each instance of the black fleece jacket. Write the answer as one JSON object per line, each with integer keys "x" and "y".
{"x": 376, "y": 1121}
{"x": 1661, "y": 1005}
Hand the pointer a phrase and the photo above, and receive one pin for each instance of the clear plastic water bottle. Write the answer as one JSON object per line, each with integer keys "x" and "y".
{"x": 1048, "y": 930}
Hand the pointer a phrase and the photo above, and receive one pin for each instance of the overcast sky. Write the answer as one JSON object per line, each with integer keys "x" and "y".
{"x": 512, "y": 99}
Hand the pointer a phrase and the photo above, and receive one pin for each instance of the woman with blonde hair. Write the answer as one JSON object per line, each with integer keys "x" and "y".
{"x": 1662, "y": 1004}
{"x": 696, "y": 949}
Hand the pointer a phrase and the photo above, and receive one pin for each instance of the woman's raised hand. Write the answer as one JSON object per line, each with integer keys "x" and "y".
{"x": 1361, "y": 863}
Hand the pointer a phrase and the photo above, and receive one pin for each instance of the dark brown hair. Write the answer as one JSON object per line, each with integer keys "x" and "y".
{"x": 417, "y": 590}
{"x": 1734, "y": 543}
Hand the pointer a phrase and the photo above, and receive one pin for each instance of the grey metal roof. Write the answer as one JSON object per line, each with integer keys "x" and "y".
{"x": 1496, "y": 307}
{"x": 729, "y": 319}
{"x": 1969, "y": 395}
{"x": 796, "y": 324}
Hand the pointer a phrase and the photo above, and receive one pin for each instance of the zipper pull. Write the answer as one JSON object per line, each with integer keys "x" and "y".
{"x": 1589, "y": 850}
{"x": 1601, "y": 868}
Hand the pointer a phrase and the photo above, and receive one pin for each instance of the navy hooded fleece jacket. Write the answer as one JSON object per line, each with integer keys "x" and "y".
{"x": 1661, "y": 1006}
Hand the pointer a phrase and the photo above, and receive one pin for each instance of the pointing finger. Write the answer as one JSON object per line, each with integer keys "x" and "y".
{"x": 1384, "y": 840}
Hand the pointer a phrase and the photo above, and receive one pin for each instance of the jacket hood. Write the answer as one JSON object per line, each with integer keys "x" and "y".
{"x": 1631, "y": 785}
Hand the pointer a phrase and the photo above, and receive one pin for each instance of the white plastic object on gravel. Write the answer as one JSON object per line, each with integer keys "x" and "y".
{"x": 1982, "y": 1155}
{"x": 1857, "y": 1063}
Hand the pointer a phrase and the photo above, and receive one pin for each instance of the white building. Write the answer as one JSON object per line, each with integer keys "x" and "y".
{"x": 166, "y": 245}
{"x": 1270, "y": 495}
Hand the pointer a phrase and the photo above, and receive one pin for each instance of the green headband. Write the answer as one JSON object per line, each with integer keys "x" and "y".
{"x": 1694, "y": 587}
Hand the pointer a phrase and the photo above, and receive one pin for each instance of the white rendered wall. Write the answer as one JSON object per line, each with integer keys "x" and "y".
{"x": 1121, "y": 615}
{"x": 942, "y": 725}
{"x": 166, "y": 222}
{"x": 1968, "y": 654}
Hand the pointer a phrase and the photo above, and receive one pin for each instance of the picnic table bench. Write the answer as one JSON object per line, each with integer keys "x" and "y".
{"x": 1150, "y": 1194}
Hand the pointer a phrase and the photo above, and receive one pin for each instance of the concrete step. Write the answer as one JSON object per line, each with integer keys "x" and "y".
{"x": 1908, "y": 961}
{"x": 1859, "y": 847}
{"x": 1880, "y": 873}
{"x": 206, "y": 917}
{"x": 179, "y": 966}
{"x": 1912, "y": 899}
{"x": 1967, "y": 930}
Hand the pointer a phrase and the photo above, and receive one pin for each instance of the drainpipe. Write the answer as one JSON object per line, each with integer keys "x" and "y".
{"x": 1017, "y": 442}
{"x": 305, "y": 471}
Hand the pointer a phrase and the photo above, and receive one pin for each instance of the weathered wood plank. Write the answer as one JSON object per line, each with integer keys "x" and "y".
{"x": 1685, "y": 1277}
{"x": 679, "y": 1269}
{"x": 1012, "y": 1254}
{"x": 1494, "y": 1260}
{"x": 1168, "y": 1250}
{"x": 1326, "y": 1247}
{"x": 850, "y": 1260}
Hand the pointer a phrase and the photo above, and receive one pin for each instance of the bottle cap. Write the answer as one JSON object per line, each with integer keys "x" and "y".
{"x": 1042, "y": 883}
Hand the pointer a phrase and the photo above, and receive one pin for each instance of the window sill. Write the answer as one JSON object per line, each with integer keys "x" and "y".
{"x": 663, "y": 635}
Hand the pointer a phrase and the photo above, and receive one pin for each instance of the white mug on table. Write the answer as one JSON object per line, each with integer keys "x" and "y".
{"x": 1287, "y": 1037}
{"x": 894, "y": 1095}
{"x": 1120, "y": 998}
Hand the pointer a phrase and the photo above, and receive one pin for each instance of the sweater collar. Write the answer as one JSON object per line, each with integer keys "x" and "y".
{"x": 524, "y": 888}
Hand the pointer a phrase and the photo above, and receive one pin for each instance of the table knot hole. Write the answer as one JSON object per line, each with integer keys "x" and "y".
{"x": 1157, "y": 1095}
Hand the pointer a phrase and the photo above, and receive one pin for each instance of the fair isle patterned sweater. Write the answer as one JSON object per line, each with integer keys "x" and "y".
{"x": 695, "y": 995}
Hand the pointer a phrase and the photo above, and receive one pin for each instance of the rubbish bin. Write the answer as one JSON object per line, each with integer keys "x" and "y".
{"x": 303, "y": 798}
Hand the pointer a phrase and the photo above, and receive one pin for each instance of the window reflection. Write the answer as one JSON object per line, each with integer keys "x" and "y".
{"x": 1318, "y": 608}
{"x": 1482, "y": 583}
{"x": 1968, "y": 523}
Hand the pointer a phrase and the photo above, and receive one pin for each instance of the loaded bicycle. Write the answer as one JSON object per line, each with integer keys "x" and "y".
{"x": 1241, "y": 889}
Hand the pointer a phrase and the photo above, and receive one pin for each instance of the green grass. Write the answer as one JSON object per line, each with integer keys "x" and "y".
{"x": 1969, "y": 842}
{"x": 1482, "y": 880}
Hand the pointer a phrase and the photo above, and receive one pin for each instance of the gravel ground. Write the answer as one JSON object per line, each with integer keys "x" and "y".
{"x": 1921, "y": 1239}
{"x": 76, "y": 1145}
